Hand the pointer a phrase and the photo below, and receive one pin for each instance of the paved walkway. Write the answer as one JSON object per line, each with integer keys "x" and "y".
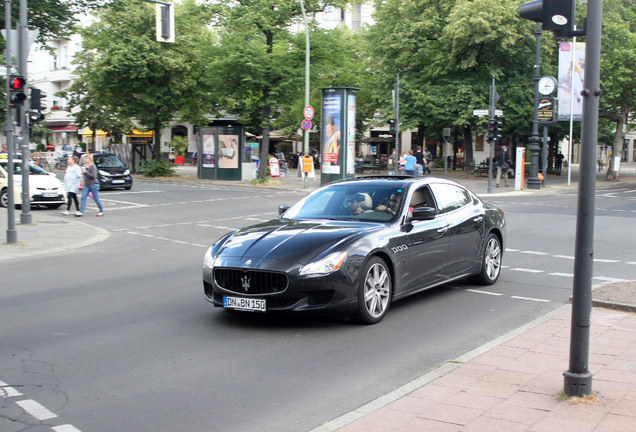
{"x": 510, "y": 384}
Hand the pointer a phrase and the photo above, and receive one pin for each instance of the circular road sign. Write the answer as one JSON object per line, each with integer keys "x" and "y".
{"x": 306, "y": 124}
{"x": 309, "y": 112}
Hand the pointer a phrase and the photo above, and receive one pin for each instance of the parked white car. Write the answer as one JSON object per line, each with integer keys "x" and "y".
{"x": 44, "y": 188}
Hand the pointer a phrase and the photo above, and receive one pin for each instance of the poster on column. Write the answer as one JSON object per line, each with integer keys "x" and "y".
{"x": 332, "y": 110}
{"x": 571, "y": 78}
{"x": 228, "y": 151}
{"x": 351, "y": 133}
{"x": 207, "y": 147}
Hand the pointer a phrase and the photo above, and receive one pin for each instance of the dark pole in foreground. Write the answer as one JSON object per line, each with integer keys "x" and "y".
{"x": 578, "y": 379}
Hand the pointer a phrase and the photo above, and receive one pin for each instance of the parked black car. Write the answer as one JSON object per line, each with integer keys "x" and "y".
{"x": 111, "y": 171}
{"x": 354, "y": 246}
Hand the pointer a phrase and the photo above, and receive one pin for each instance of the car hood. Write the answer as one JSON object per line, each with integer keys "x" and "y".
{"x": 113, "y": 170}
{"x": 288, "y": 240}
{"x": 40, "y": 182}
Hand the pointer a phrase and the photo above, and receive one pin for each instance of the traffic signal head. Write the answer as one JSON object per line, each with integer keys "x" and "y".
{"x": 391, "y": 123}
{"x": 37, "y": 104}
{"x": 557, "y": 16}
{"x": 494, "y": 131}
{"x": 16, "y": 90}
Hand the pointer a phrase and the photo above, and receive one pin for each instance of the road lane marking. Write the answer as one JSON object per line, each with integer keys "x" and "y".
{"x": 66, "y": 428}
{"x": 526, "y": 270}
{"x": 35, "y": 409}
{"x": 562, "y": 274}
{"x": 534, "y": 253}
{"x": 531, "y": 299}
{"x": 609, "y": 279}
{"x": 6, "y": 391}
{"x": 484, "y": 292}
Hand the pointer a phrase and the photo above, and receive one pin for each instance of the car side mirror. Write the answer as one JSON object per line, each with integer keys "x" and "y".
{"x": 282, "y": 209}
{"x": 424, "y": 213}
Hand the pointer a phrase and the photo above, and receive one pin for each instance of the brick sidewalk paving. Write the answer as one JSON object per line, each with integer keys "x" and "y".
{"x": 516, "y": 383}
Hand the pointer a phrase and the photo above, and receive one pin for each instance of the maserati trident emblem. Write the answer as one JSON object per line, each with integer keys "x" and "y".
{"x": 245, "y": 282}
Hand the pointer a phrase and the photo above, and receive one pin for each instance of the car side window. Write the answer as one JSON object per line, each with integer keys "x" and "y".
{"x": 450, "y": 197}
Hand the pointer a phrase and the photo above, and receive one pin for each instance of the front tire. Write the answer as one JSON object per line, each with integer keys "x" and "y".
{"x": 4, "y": 198}
{"x": 490, "y": 261}
{"x": 374, "y": 292}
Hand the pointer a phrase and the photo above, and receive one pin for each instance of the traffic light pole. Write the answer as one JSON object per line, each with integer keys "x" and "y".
{"x": 26, "y": 215}
{"x": 578, "y": 379}
{"x": 12, "y": 234}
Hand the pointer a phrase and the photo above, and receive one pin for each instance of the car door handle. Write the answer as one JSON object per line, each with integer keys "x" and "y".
{"x": 443, "y": 229}
{"x": 478, "y": 219}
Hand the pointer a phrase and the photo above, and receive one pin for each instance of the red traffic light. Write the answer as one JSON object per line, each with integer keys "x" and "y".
{"x": 17, "y": 83}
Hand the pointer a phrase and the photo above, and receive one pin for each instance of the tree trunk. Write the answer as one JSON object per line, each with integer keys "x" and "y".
{"x": 468, "y": 148}
{"x": 157, "y": 138}
{"x": 619, "y": 139}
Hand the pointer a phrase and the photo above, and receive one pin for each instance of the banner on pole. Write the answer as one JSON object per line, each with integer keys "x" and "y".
{"x": 571, "y": 78}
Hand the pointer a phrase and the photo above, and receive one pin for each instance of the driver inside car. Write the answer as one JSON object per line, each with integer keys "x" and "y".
{"x": 391, "y": 205}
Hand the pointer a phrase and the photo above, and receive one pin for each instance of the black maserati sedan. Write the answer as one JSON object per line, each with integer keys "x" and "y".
{"x": 356, "y": 245}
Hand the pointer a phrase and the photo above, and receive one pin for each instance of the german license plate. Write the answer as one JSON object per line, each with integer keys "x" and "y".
{"x": 117, "y": 181}
{"x": 49, "y": 194}
{"x": 245, "y": 304}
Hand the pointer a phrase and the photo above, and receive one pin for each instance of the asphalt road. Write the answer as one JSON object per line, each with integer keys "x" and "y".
{"x": 118, "y": 336}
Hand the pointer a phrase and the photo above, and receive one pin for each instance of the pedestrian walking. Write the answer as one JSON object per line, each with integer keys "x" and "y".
{"x": 72, "y": 183}
{"x": 503, "y": 165}
{"x": 391, "y": 163}
{"x": 91, "y": 186}
{"x": 409, "y": 163}
{"x": 559, "y": 163}
{"x": 420, "y": 163}
{"x": 429, "y": 160}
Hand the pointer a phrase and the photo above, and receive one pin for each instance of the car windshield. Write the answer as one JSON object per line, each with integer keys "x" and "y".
{"x": 17, "y": 168}
{"x": 364, "y": 202}
{"x": 107, "y": 161}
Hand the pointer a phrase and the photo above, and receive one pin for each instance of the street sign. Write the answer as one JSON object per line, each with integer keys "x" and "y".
{"x": 480, "y": 112}
{"x": 306, "y": 124}
{"x": 498, "y": 113}
{"x": 309, "y": 112}
{"x": 546, "y": 110}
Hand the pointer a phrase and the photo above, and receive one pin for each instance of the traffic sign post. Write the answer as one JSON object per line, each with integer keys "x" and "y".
{"x": 305, "y": 124}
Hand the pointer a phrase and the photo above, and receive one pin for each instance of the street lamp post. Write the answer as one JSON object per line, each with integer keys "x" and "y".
{"x": 535, "y": 139}
{"x": 307, "y": 52}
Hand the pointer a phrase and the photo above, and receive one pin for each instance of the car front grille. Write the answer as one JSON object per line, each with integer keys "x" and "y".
{"x": 250, "y": 281}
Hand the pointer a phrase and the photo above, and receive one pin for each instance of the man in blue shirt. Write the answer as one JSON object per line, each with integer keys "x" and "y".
{"x": 409, "y": 164}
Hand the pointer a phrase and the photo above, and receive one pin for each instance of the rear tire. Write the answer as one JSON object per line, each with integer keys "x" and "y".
{"x": 490, "y": 261}
{"x": 374, "y": 292}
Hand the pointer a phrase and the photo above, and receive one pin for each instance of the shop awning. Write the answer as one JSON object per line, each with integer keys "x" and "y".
{"x": 100, "y": 133}
{"x": 67, "y": 128}
{"x": 138, "y": 134}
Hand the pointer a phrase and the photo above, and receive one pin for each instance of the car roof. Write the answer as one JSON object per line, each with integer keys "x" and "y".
{"x": 404, "y": 181}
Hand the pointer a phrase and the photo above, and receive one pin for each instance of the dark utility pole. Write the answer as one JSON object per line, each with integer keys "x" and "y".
{"x": 578, "y": 379}
{"x": 535, "y": 139}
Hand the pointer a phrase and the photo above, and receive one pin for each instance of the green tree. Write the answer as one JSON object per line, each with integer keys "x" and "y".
{"x": 446, "y": 53}
{"x": 618, "y": 63}
{"x": 256, "y": 65}
{"x": 125, "y": 74}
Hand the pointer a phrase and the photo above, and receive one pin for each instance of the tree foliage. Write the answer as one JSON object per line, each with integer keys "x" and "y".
{"x": 618, "y": 63}
{"x": 125, "y": 74}
{"x": 260, "y": 68}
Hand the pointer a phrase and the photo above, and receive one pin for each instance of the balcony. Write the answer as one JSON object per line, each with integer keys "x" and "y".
{"x": 59, "y": 75}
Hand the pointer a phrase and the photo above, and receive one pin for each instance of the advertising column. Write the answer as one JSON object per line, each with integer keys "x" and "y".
{"x": 338, "y": 133}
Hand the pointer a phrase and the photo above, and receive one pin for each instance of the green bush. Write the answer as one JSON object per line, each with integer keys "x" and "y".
{"x": 160, "y": 168}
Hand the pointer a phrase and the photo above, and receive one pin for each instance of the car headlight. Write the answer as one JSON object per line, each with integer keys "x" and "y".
{"x": 127, "y": 172}
{"x": 328, "y": 264}
{"x": 104, "y": 173}
{"x": 208, "y": 260}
